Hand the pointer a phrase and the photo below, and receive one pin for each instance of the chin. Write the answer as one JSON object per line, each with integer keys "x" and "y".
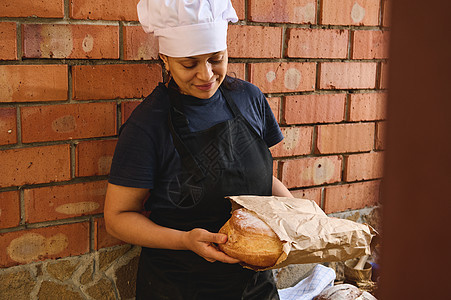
{"x": 204, "y": 94}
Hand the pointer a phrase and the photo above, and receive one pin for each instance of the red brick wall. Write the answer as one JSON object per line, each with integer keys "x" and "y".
{"x": 72, "y": 71}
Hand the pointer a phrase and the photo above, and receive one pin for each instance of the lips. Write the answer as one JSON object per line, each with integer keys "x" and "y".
{"x": 205, "y": 87}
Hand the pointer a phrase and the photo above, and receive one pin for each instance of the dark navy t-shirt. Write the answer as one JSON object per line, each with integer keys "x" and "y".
{"x": 145, "y": 156}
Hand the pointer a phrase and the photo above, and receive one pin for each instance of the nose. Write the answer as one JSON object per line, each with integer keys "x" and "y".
{"x": 205, "y": 72}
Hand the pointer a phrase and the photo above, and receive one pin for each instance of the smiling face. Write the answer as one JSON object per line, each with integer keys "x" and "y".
{"x": 199, "y": 76}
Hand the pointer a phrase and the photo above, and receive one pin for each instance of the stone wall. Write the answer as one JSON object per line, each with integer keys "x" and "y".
{"x": 106, "y": 274}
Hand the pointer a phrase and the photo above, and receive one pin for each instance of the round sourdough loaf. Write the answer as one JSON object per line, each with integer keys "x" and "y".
{"x": 344, "y": 292}
{"x": 250, "y": 239}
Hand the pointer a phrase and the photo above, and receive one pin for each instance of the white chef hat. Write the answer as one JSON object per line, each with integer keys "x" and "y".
{"x": 187, "y": 27}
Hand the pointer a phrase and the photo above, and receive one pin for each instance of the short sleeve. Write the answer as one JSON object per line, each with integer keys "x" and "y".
{"x": 255, "y": 108}
{"x": 134, "y": 160}
{"x": 272, "y": 134}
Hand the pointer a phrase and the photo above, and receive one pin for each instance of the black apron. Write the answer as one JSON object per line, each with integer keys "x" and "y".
{"x": 227, "y": 159}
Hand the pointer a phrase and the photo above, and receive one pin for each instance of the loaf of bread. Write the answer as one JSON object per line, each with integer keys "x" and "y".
{"x": 344, "y": 292}
{"x": 250, "y": 240}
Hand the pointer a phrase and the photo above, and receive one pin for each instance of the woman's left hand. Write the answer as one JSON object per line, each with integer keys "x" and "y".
{"x": 201, "y": 242}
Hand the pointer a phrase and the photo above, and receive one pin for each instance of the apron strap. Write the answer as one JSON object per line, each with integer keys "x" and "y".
{"x": 230, "y": 102}
{"x": 234, "y": 108}
{"x": 175, "y": 116}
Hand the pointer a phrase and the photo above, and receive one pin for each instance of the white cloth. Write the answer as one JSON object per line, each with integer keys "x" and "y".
{"x": 187, "y": 27}
{"x": 321, "y": 278}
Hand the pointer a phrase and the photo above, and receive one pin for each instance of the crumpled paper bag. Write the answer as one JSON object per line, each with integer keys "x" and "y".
{"x": 308, "y": 234}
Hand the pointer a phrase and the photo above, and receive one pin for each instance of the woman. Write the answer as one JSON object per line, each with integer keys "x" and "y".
{"x": 196, "y": 139}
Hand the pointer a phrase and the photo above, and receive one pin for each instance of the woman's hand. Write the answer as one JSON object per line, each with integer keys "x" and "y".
{"x": 200, "y": 241}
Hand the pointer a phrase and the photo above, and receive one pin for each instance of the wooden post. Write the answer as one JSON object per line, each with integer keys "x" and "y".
{"x": 416, "y": 197}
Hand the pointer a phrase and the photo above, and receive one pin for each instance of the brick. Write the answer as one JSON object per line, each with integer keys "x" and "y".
{"x": 297, "y": 141}
{"x": 237, "y": 70}
{"x": 26, "y": 246}
{"x": 367, "y": 107}
{"x": 102, "y": 239}
{"x": 386, "y": 13}
{"x": 313, "y": 194}
{"x": 34, "y": 165}
{"x": 127, "y": 108}
{"x": 29, "y": 83}
{"x": 364, "y": 166}
{"x": 309, "y": 194}
{"x": 8, "y": 127}
{"x": 64, "y": 201}
{"x": 345, "y": 138}
{"x": 275, "y": 168}
{"x": 311, "y": 171}
{"x": 68, "y": 121}
{"x": 283, "y": 77}
{"x": 351, "y": 196}
{"x": 8, "y": 41}
{"x": 370, "y": 44}
{"x": 246, "y": 41}
{"x": 283, "y": 11}
{"x": 347, "y": 75}
{"x": 380, "y": 135}
{"x": 32, "y": 8}
{"x": 104, "y": 10}
{"x": 315, "y": 108}
{"x": 240, "y": 8}
{"x": 114, "y": 81}
{"x": 317, "y": 43}
{"x": 274, "y": 103}
{"x": 350, "y": 12}
{"x": 93, "y": 158}
{"x": 384, "y": 76}
{"x": 71, "y": 41}
{"x": 9, "y": 209}
{"x": 138, "y": 44}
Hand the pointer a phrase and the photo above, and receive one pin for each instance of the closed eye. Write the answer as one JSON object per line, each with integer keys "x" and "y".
{"x": 216, "y": 61}
{"x": 189, "y": 67}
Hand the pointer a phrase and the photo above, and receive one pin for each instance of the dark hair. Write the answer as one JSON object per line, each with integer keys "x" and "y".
{"x": 164, "y": 73}
{"x": 231, "y": 83}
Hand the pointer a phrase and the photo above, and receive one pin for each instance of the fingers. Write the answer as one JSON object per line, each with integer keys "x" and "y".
{"x": 202, "y": 242}
{"x": 212, "y": 254}
{"x": 222, "y": 257}
{"x": 217, "y": 238}
{"x": 210, "y": 259}
{"x": 218, "y": 254}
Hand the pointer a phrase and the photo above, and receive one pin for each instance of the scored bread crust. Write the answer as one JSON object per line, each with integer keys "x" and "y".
{"x": 250, "y": 239}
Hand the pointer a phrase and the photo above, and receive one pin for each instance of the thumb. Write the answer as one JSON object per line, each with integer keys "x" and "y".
{"x": 218, "y": 238}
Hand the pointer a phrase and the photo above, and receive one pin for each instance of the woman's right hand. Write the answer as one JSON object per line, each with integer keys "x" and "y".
{"x": 201, "y": 242}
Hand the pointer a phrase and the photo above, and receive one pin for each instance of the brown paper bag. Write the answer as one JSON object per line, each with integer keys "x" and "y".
{"x": 309, "y": 235}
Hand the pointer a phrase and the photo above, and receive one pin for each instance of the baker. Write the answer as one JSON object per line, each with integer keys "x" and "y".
{"x": 198, "y": 137}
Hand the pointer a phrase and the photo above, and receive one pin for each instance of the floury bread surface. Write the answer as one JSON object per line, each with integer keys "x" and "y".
{"x": 250, "y": 239}
{"x": 344, "y": 292}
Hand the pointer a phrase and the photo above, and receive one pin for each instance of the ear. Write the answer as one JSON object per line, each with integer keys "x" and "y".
{"x": 164, "y": 58}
